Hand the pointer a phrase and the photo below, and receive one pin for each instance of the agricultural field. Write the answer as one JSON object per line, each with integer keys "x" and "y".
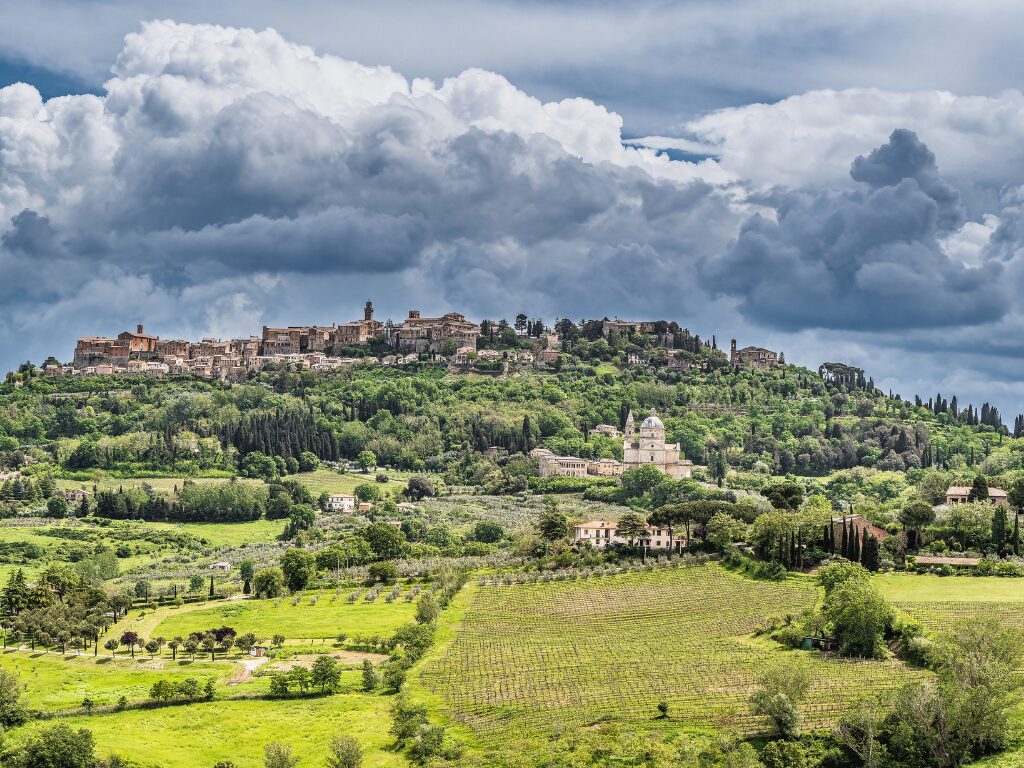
{"x": 938, "y": 601}
{"x": 530, "y": 660}
{"x": 316, "y": 615}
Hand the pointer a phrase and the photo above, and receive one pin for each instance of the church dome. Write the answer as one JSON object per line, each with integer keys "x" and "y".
{"x": 652, "y": 422}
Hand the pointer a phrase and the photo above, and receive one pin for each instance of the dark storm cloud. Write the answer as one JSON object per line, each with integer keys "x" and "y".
{"x": 861, "y": 259}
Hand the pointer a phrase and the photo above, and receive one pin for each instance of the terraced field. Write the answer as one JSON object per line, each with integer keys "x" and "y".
{"x": 529, "y": 660}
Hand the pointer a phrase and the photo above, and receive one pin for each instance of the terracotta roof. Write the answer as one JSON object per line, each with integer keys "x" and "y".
{"x": 930, "y": 560}
{"x": 964, "y": 490}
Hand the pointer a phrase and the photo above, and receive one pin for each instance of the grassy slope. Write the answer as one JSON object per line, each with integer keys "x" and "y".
{"x": 199, "y": 735}
{"x": 928, "y": 587}
{"x": 55, "y": 682}
{"x": 268, "y": 617}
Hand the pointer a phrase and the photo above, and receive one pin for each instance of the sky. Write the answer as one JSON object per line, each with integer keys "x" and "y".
{"x": 840, "y": 181}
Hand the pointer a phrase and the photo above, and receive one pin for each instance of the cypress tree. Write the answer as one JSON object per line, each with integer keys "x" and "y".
{"x": 871, "y": 553}
{"x": 1016, "y": 534}
{"x": 999, "y": 526}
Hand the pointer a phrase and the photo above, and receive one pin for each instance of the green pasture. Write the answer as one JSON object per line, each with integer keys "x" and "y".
{"x": 930, "y": 588}
{"x": 329, "y": 617}
{"x": 201, "y": 734}
{"x": 55, "y": 682}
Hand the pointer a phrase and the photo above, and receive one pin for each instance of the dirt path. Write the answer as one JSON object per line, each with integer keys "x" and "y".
{"x": 248, "y": 667}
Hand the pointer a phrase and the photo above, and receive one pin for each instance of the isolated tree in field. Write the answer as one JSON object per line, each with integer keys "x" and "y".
{"x": 130, "y": 639}
{"x": 298, "y": 567}
{"x": 979, "y": 489}
{"x": 552, "y": 525}
{"x": 631, "y": 526}
{"x": 371, "y": 678}
{"x": 278, "y": 755}
{"x": 12, "y": 707}
{"x": 152, "y": 646}
{"x": 111, "y": 645}
{"x": 781, "y": 689}
{"x": 87, "y": 705}
{"x": 345, "y": 752}
{"x": 417, "y": 488}
{"x": 914, "y": 516}
{"x": 366, "y": 461}
{"x": 269, "y": 582}
{"x": 277, "y": 641}
{"x": 325, "y": 673}
{"x": 246, "y": 571}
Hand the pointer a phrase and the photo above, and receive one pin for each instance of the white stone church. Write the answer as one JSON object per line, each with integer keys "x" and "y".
{"x": 648, "y": 446}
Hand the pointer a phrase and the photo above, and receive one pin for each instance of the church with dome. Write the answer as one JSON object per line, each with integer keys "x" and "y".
{"x": 647, "y": 446}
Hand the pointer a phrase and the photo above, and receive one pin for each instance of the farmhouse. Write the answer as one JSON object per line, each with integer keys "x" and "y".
{"x": 752, "y": 357}
{"x": 604, "y": 533}
{"x": 960, "y": 494}
{"x": 222, "y": 565}
{"x": 341, "y": 503}
{"x": 648, "y": 446}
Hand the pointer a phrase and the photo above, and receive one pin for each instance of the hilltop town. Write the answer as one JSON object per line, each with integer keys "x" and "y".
{"x": 488, "y": 346}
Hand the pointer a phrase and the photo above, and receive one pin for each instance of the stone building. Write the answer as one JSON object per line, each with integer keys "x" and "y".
{"x": 296, "y": 339}
{"x": 752, "y": 357}
{"x": 647, "y": 446}
{"x": 960, "y": 494}
{"x": 605, "y": 429}
{"x": 358, "y": 332}
{"x": 428, "y": 334}
{"x": 605, "y": 468}
{"x": 93, "y": 350}
{"x": 550, "y": 465}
